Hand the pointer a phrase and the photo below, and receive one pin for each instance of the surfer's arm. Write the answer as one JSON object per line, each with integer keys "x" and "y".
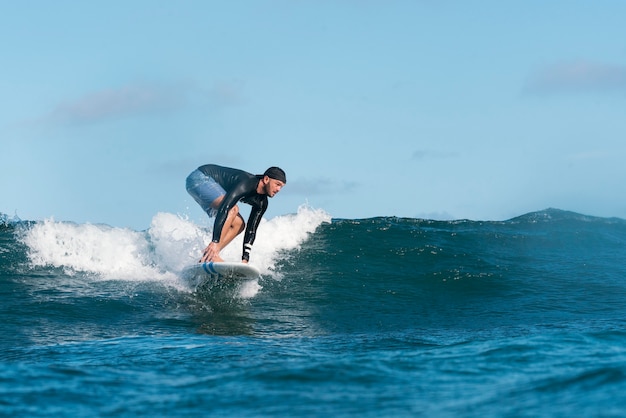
{"x": 256, "y": 214}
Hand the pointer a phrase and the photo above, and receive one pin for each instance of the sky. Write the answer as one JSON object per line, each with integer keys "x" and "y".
{"x": 482, "y": 110}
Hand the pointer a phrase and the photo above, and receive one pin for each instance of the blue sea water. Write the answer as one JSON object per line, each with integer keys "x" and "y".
{"x": 371, "y": 317}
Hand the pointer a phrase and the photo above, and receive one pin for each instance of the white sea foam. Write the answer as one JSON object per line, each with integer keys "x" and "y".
{"x": 161, "y": 252}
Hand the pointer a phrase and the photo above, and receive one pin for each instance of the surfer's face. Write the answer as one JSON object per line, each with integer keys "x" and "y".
{"x": 272, "y": 186}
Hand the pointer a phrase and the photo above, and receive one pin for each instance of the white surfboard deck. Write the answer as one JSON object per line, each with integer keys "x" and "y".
{"x": 199, "y": 273}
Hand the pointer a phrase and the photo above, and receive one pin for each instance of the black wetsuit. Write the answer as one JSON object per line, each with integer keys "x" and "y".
{"x": 239, "y": 186}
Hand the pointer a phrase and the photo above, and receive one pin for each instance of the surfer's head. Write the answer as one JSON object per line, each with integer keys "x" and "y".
{"x": 276, "y": 174}
{"x": 272, "y": 181}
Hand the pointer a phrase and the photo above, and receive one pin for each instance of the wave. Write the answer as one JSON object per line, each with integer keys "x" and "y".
{"x": 547, "y": 268}
{"x": 103, "y": 252}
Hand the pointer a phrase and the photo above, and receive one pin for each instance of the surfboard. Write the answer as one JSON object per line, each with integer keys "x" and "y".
{"x": 212, "y": 271}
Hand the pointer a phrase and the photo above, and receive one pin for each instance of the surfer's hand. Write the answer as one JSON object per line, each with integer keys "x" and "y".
{"x": 205, "y": 256}
{"x": 210, "y": 252}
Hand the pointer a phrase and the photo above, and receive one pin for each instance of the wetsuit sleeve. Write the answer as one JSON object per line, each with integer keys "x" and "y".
{"x": 256, "y": 214}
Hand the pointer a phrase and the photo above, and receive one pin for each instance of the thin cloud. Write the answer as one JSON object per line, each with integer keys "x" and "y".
{"x": 228, "y": 93}
{"x": 321, "y": 186}
{"x": 139, "y": 100}
{"x": 426, "y": 154}
{"x": 578, "y": 76}
{"x": 588, "y": 155}
{"x": 118, "y": 102}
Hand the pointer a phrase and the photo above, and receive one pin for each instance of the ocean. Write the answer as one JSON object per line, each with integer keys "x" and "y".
{"x": 379, "y": 317}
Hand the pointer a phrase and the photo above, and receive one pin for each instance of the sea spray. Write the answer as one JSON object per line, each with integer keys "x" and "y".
{"x": 105, "y": 251}
{"x": 161, "y": 252}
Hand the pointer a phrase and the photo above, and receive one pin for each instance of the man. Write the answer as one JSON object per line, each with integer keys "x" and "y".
{"x": 218, "y": 189}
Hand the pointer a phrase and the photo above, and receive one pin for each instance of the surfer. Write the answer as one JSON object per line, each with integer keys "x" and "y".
{"x": 218, "y": 189}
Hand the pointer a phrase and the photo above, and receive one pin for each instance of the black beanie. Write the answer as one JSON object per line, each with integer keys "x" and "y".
{"x": 276, "y": 174}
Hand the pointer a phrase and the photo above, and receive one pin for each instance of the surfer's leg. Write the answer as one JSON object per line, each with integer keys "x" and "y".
{"x": 233, "y": 226}
{"x": 206, "y": 191}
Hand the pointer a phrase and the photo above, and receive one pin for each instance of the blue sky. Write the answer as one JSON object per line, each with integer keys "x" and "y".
{"x": 440, "y": 109}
